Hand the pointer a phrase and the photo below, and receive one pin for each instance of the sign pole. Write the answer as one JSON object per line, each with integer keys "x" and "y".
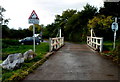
{"x": 33, "y": 19}
{"x": 34, "y": 37}
{"x": 114, "y": 39}
{"x": 114, "y": 34}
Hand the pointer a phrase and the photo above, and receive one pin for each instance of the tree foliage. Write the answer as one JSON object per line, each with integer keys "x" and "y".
{"x": 15, "y": 34}
{"x": 110, "y": 9}
{"x": 2, "y": 19}
{"x": 37, "y": 28}
{"x": 101, "y": 25}
{"x": 100, "y": 22}
{"x": 73, "y": 23}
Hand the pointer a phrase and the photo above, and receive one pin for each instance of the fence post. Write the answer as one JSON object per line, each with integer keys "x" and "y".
{"x": 62, "y": 41}
{"x": 58, "y": 41}
{"x": 91, "y": 42}
{"x": 50, "y": 44}
{"x": 101, "y": 44}
{"x": 96, "y": 43}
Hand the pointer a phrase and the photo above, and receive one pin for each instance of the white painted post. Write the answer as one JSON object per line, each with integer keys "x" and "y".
{"x": 60, "y": 32}
{"x": 50, "y": 42}
{"x": 34, "y": 37}
{"x": 55, "y": 47}
{"x": 96, "y": 43}
{"x": 62, "y": 41}
{"x": 57, "y": 41}
{"x": 91, "y": 32}
{"x": 101, "y": 44}
{"x": 91, "y": 36}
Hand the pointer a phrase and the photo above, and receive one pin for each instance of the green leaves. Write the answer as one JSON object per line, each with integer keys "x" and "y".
{"x": 100, "y": 22}
{"x": 37, "y": 28}
{"x": 102, "y": 26}
{"x": 73, "y": 23}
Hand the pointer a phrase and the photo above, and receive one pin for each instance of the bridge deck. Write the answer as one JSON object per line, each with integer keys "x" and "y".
{"x": 75, "y": 62}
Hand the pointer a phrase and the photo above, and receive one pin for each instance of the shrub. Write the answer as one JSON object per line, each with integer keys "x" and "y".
{"x": 116, "y": 54}
{"x": 9, "y": 42}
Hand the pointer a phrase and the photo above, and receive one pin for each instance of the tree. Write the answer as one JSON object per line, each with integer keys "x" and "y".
{"x": 102, "y": 26}
{"x": 110, "y": 9}
{"x": 72, "y": 23}
{"x": 37, "y": 28}
{"x": 2, "y": 20}
{"x": 76, "y": 25}
{"x": 5, "y": 31}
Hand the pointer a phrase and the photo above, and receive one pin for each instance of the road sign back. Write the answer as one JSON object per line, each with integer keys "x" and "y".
{"x": 114, "y": 26}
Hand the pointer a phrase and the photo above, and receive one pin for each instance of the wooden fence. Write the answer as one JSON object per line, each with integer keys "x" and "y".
{"x": 55, "y": 43}
{"x": 95, "y": 43}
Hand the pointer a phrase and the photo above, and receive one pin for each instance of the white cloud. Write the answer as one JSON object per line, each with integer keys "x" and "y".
{"x": 19, "y": 10}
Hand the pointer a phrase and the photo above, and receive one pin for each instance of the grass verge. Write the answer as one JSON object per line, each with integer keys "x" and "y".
{"x": 26, "y": 67}
{"x": 109, "y": 52}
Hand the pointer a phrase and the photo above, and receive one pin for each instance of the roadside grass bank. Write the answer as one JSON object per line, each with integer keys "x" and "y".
{"x": 29, "y": 65}
{"x": 109, "y": 52}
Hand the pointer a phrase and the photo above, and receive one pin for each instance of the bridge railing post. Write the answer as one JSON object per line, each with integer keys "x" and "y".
{"x": 50, "y": 44}
{"x": 95, "y": 42}
{"x": 101, "y": 44}
{"x": 62, "y": 41}
{"x": 55, "y": 43}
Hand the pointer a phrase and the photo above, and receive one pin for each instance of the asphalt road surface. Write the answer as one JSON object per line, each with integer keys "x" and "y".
{"x": 76, "y": 62}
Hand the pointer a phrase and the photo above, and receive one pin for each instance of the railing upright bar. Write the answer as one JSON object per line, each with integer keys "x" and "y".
{"x": 94, "y": 43}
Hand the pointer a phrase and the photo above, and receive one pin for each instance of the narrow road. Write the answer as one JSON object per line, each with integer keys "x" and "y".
{"x": 75, "y": 62}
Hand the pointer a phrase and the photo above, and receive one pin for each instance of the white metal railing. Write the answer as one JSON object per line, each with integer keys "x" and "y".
{"x": 95, "y": 43}
{"x": 55, "y": 43}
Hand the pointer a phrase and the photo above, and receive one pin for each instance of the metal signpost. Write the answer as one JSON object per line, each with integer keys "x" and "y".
{"x": 33, "y": 19}
{"x": 114, "y": 29}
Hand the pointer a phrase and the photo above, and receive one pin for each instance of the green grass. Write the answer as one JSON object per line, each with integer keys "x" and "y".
{"x": 11, "y": 49}
{"x": 0, "y": 61}
{"x": 108, "y": 45}
{"x": 40, "y": 49}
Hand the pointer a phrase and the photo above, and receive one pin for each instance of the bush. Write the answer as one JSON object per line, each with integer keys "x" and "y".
{"x": 9, "y": 42}
{"x": 6, "y": 75}
{"x": 116, "y": 54}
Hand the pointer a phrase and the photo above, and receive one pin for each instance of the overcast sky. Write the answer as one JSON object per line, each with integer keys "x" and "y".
{"x": 19, "y": 10}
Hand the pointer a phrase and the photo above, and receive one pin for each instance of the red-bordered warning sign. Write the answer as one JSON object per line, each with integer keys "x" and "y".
{"x": 33, "y": 15}
{"x": 33, "y": 19}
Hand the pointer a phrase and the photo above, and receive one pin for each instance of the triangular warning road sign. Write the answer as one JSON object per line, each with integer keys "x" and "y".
{"x": 33, "y": 15}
